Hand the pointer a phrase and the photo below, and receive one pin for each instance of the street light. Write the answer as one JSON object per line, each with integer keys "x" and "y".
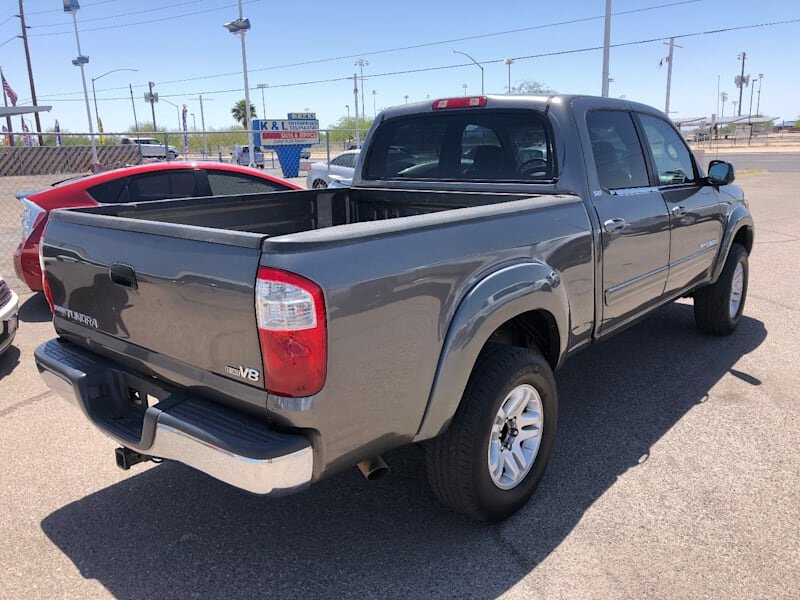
{"x": 406, "y": 97}
{"x": 758, "y": 103}
{"x": 362, "y": 62}
{"x": 374, "y": 106}
{"x": 509, "y": 62}
{"x": 194, "y": 122}
{"x": 464, "y": 85}
{"x": 262, "y": 86}
{"x": 241, "y": 26}
{"x": 72, "y": 7}
{"x": 177, "y": 108}
{"x": 477, "y": 64}
{"x": 94, "y": 93}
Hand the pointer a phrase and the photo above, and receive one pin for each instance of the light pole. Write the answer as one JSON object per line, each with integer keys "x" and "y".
{"x": 262, "y": 86}
{"x": 606, "y": 50}
{"x": 362, "y": 62}
{"x": 72, "y": 7}
{"x": 724, "y": 97}
{"x": 241, "y": 26}
{"x": 758, "y": 102}
{"x": 509, "y": 62}
{"x": 94, "y": 94}
{"x": 374, "y": 105}
{"x": 194, "y": 122}
{"x": 464, "y": 85}
{"x": 477, "y": 64}
{"x": 177, "y": 108}
{"x": 406, "y": 98}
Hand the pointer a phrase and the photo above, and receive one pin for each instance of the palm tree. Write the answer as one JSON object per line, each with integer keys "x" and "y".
{"x": 239, "y": 112}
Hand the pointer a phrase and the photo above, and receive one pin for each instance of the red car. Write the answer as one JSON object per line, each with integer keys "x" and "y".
{"x": 155, "y": 181}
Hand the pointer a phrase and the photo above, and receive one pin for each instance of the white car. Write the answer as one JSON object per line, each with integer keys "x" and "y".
{"x": 241, "y": 156}
{"x": 152, "y": 148}
{"x": 342, "y": 167}
{"x": 8, "y": 316}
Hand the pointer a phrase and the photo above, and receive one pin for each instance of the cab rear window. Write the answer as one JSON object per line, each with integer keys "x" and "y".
{"x": 471, "y": 145}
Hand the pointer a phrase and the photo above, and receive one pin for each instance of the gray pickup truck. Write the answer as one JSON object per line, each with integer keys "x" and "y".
{"x": 271, "y": 340}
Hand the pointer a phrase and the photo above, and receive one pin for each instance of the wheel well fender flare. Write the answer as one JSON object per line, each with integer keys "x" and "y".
{"x": 493, "y": 301}
{"x": 738, "y": 220}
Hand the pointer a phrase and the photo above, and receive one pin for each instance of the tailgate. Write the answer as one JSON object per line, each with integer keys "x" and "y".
{"x": 172, "y": 296}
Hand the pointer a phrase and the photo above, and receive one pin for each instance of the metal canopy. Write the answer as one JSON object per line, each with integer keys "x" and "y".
{"x": 13, "y": 111}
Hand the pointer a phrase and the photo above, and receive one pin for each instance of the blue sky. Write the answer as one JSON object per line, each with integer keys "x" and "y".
{"x": 197, "y": 48}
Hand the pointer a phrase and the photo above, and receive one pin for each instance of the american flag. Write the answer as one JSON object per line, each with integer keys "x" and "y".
{"x": 27, "y": 137}
{"x": 12, "y": 95}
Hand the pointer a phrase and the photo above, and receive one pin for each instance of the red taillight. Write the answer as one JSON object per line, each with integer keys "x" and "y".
{"x": 461, "y": 102}
{"x": 293, "y": 332}
{"x": 48, "y": 293}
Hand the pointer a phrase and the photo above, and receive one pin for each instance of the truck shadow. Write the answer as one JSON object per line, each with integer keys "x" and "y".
{"x": 171, "y": 531}
{"x": 35, "y": 310}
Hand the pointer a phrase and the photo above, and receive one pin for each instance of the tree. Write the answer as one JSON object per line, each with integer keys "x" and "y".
{"x": 345, "y": 128}
{"x": 531, "y": 87}
{"x": 239, "y": 112}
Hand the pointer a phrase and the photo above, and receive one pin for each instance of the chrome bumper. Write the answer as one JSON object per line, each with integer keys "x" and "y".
{"x": 213, "y": 439}
{"x": 7, "y": 312}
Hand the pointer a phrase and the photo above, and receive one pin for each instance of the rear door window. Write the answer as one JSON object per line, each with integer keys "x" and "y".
{"x": 159, "y": 186}
{"x": 618, "y": 155}
{"x": 473, "y": 145}
{"x": 228, "y": 184}
{"x": 108, "y": 192}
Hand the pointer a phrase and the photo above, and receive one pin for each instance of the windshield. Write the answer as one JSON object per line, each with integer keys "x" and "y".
{"x": 468, "y": 145}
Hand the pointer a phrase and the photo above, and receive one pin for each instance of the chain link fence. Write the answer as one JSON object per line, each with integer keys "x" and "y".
{"x": 27, "y": 166}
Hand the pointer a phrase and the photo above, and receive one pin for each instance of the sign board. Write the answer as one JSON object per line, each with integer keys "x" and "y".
{"x": 305, "y": 116}
{"x": 282, "y": 132}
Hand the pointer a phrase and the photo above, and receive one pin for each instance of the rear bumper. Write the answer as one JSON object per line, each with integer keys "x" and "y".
{"x": 174, "y": 424}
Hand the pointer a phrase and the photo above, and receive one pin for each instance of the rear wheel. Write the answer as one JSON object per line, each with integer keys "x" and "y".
{"x": 319, "y": 184}
{"x": 491, "y": 458}
{"x": 718, "y": 308}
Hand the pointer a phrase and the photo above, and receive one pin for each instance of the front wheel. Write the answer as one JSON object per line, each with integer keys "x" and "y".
{"x": 319, "y": 184}
{"x": 718, "y": 308}
{"x": 491, "y": 458}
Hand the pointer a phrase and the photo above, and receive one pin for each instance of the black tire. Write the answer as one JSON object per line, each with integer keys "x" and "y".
{"x": 319, "y": 184}
{"x": 457, "y": 461}
{"x": 712, "y": 303}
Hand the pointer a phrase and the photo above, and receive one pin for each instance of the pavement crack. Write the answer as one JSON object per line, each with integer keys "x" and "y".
{"x": 23, "y": 403}
{"x": 765, "y": 299}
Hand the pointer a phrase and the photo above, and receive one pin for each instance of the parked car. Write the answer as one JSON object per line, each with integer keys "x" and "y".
{"x": 152, "y": 148}
{"x": 241, "y": 156}
{"x": 274, "y": 343}
{"x": 142, "y": 183}
{"x": 8, "y": 315}
{"x": 305, "y": 154}
{"x": 342, "y": 166}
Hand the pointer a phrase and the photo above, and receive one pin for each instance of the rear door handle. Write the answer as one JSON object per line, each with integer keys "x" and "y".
{"x": 123, "y": 275}
{"x": 614, "y": 225}
{"x": 679, "y": 211}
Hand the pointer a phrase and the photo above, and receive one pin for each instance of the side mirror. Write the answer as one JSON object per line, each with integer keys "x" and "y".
{"x": 720, "y": 172}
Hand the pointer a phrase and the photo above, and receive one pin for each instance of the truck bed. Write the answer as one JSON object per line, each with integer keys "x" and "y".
{"x": 280, "y": 213}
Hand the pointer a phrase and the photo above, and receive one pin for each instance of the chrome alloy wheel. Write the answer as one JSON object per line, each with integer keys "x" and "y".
{"x": 737, "y": 289}
{"x": 516, "y": 436}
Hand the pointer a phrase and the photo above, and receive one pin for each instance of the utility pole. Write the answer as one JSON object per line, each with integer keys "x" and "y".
{"x": 203, "y": 125}
{"x": 672, "y": 45}
{"x": 741, "y": 83}
{"x": 133, "y": 104}
{"x": 355, "y": 94}
{"x": 30, "y": 70}
{"x": 152, "y": 99}
{"x": 606, "y": 47}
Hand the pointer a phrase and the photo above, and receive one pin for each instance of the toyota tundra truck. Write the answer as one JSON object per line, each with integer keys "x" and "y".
{"x": 272, "y": 340}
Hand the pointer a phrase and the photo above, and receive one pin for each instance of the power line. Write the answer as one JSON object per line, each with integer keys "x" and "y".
{"x": 190, "y": 14}
{"x": 138, "y": 12}
{"x": 41, "y": 12}
{"x": 402, "y": 48}
{"x": 9, "y": 40}
{"x": 485, "y": 62}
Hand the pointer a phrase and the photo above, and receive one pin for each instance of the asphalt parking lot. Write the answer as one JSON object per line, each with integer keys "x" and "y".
{"x": 676, "y": 475}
